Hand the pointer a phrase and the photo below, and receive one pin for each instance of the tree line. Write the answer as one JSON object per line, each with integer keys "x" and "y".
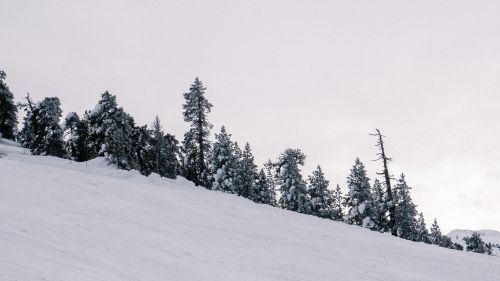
{"x": 222, "y": 165}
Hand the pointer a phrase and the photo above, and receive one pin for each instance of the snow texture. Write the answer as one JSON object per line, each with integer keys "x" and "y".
{"x": 62, "y": 220}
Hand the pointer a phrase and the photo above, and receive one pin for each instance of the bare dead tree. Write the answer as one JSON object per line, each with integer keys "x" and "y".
{"x": 390, "y": 204}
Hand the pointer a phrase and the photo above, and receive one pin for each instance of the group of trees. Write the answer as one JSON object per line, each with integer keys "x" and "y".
{"x": 107, "y": 130}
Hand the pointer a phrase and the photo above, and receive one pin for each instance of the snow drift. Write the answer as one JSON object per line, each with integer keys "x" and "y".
{"x": 61, "y": 220}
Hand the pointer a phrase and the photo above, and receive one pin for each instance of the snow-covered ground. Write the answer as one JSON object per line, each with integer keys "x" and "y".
{"x": 61, "y": 220}
{"x": 487, "y": 235}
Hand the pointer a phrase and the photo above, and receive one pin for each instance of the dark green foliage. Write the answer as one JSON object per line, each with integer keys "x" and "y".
{"x": 8, "y": 110}
{"x": 196, "y": 143}
{"x": 292, "y": 186}
{"x": 475, "y": 244}
{"x": 380, "y": 206}
{"x": 337, "y": 204}
{"x": 77, "y": 132}
{"x": 264, "y": 192}
{"x": 359, "y": 198}
{"x": 163, "y": 152}
{"x": 246, "y": 174}
{"x": 321, "y": 197}
{"x": 102, "y": 119}
{"x": 224, "y": 166}
{"x": 422, "y": 232}
{"x": 42, "y": 133}
{"x": 406, "y": 212}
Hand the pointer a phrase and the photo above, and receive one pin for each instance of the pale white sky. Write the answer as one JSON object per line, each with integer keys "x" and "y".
{"x": 316, "y": 75}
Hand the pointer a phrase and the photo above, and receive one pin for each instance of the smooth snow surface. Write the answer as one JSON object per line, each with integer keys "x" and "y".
{"x": 61, "y": 220}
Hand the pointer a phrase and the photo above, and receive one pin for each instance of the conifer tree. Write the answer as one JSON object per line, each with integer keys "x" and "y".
{"x": 77, "y": 132}
{"x": 189, "y": 152}
{"x": 435, "y": 237}
{"x": 118, "y": 146}
{"x": 224, "y": 163}
{"x": 380, "y": 206}
{"x": 195, "y": 112}
{"x": 163, "y": 152}
{"x": 8, "y": 110}
{"x": 337, "y": 204}
{"x": 291, "y": 185}
{"x": 359, "y": 198}
{"x": 105, "y": 115}
{"x": 247, "y": 174}
{"x": 423, "y": 233}
{"x": 42, "y": 133}
{"x": 321, "y": 197}
{"x": 475, "y": 244}
{"x": 406, "y": 212}
{"x": 27, "y": 134}
{"x": 264, "y": 193}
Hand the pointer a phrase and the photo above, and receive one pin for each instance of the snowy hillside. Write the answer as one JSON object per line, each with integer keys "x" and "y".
{"x": 487, "y": 235}
{"x": 61, "y": 220}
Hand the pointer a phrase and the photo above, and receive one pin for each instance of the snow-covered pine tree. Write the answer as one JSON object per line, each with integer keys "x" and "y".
{"x": 321, "y": 197}
{"x": 406, "y": 211}
{"x": 195, "y": 112}
{"x": 189, "y": 152}
{"x": 380, "y": 205}
{"x": 246, "y": 174}
{"x": 337, "y": 204}
{"x": 70, "y": 128}
{"x": 475, "y": 244}
{"x": 422, "y": 232}
{"x": 359, "y": 198}
{"x": 42, "y": 133}
{"x": 435, "y": 237}
{"x": 8, "y": 110}
{"x": 118, "y": 146}
{"x": 264, "y": 193}
{"x": 141, "y": 155}
{"x": 27, "y": 133}
{"x": 172, "y": 166}
{"x": 104, "y": 115}
{"x": 291, "y": 185}
{"x": 224, "y": 162}
{"x": 163, "y": 151}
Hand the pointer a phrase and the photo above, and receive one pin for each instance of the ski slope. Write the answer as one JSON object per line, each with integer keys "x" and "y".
{"x": 61, "y": 220}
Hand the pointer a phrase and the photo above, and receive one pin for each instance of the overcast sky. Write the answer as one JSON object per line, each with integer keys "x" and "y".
{"x": 315, "y": 75}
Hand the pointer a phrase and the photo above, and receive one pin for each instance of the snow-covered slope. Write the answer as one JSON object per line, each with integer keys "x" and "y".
{"x": 61, "y": 220}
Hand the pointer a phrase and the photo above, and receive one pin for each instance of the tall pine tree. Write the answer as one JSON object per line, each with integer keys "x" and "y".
{"x": 246, "y": 174}
{"x": 264, "y": 192}
{"x": 196, "y": 143}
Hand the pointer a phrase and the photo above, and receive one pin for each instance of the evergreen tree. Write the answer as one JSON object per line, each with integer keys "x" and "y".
{"x": 458, "y": 247}
{"x": 264, "y": 193}
{"x": 380, "y": 206}
{"x": 27, "y": 134}
{"x": 224, "y": 163}
{"x": 77, "y": 137}
{"x": 359, "y": 198}
{"x": 422, "y": 232}
{"x": 103, "y": 118}
{"x": 406, "y": 212}
{"x": 8, "y": 110}
{"x": 475, "y": 244}
{"x": 140, "y": 153}
{"x": 337, "y": 204}
{"x": 195, "y": 112}
{"x": 321, "y": 197}
{"x": 435, "y": 237}
{"x": 247, "y": 174}
{"x": 189, "y": 152}
{"x": 291, "y": 185}
{"x": 163, "y": 151}
{"x": 118, "y": 146}
{"x": 42, "y": 133}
